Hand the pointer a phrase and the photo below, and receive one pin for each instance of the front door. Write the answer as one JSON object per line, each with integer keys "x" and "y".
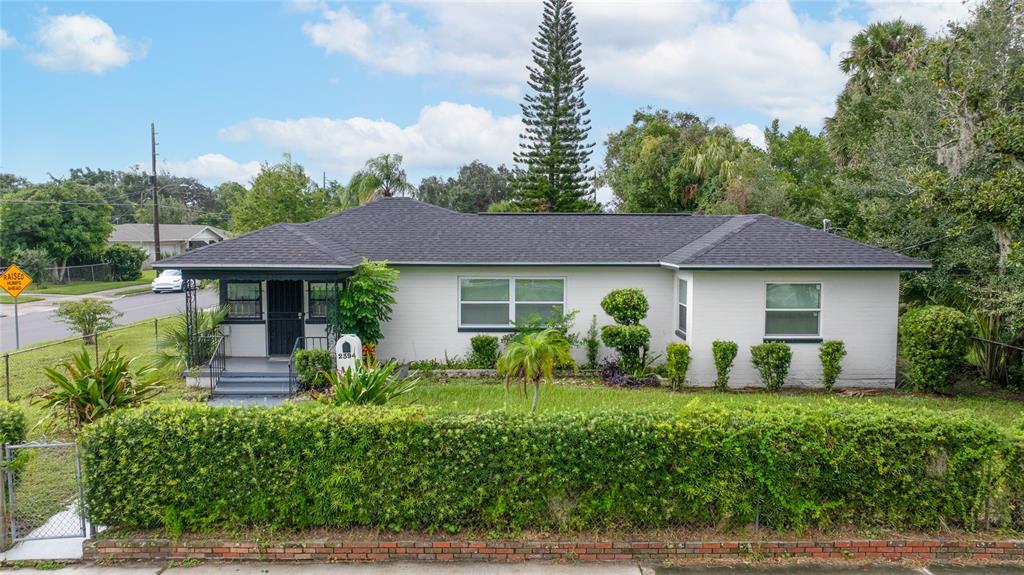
{"x": 284, "y": 315}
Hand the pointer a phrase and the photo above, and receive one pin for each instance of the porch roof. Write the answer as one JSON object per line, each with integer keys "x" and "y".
{"x": 254, "y": 273}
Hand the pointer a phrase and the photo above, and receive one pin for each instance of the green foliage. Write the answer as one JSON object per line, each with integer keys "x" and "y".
{"x": 772, "y": 360}
{"x": 561, "y": 322}
{"x": 12, "y": 424}
{"x": 173, "y": 345}
{"x": 365, "y": 301}
{"x": 365, "y": 383}
{"x": 592, "y": 343}
{"x": 311, "y": 364}
{"x": 477, "y": 187}
{"x": 484, "y": 353}
{"x": 125, "y": 262}
{"x": 678, "y": 361}
{"x": 84, "y": 392}
{"x": 381, "y": 177}
{"x": 553, "y": 152}
{"x": 724, "y": 353}
{"x": 76, "y": 231}
{"x": 627, "y": 306}
{"x": 87, "y": 316}
{"x": 831, "y": 354}
{"x": 832, "y": 465}
{"x": 34, "y": 262}
{"x": 933, "y": 340}
{"x": 281, "y": 192}
{"x": 534, "y": 357}
{"x": 631, "y": 341}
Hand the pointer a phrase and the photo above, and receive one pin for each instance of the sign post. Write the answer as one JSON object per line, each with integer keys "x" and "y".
{"x": 14, "y": 281}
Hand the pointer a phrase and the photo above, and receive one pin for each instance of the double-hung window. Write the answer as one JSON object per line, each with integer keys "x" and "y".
{"x": 501, "y": 302}
{"x": 682, "y": 305}
{"x": 319, "y": 294}
{"x": 244, "y": 300}
{"x": 793, "y": 311}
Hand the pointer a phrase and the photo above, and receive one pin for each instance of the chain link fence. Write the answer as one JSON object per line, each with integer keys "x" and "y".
{"x": 51, "y": 513}
{"x": 87, "y": 273}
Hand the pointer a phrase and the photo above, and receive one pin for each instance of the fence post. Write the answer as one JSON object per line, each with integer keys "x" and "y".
{"x": 96, "y": 346}
{"x": 93, "y": 270}
{"x": 7, "y": 375}
{"x": 4, "y": 539}
{"x": 156, "y": 331}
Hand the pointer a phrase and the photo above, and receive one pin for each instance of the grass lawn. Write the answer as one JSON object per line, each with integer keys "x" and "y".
{"x": 80, "y": 288}
{"x": 48, "y": 481}
{"x": 21, "y": 299}
{"x": 465, "y": 395}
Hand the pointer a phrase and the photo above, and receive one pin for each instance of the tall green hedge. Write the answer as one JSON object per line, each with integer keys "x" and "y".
{"x": 191, "y": 467}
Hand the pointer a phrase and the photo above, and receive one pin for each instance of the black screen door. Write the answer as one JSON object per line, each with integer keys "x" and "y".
{"x": 284, "y": 315}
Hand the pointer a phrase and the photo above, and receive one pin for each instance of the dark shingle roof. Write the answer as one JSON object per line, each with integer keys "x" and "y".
{"x": 406, "y": 231}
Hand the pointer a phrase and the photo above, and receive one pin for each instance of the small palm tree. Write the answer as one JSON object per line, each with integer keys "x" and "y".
{"x": 173, "y": 344}
{"x": 382, "y": 176}
{"x": 533, "y": 357}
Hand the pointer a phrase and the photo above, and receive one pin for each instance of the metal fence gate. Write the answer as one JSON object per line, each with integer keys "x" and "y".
{"x": 43, "y": 484}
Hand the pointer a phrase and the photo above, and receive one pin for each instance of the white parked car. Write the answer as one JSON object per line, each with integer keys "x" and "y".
{"x": 168, "y": 280}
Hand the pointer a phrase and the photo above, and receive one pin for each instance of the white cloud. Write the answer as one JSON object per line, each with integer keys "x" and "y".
{"x": 6, "y": 40}
{"x": 751, "y": 133}
{"x": 213, "y": 169}
{"x": 444, "y": 136}
{"x": 82, "y": 43}
{"x": 759, "y": 55}
{"x": 932, "y": 14}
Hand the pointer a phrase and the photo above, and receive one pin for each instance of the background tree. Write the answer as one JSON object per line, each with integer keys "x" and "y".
{"x": 476, "y": 188}
{"x": 281, "y": 192}
{"x": 381, "y": 177}
{"x": 554, "y": 152}
{"x": 68, "y": 220}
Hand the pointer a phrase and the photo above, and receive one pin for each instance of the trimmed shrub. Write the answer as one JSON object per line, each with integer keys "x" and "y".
{"x": 485, "y": 351}
{"x": 304, "y": 466}
{"x": 592, "y": 343}
{"x": 12, "y": 424}
{"x": 771, "y": 360}
{"x": 933, "y": 339}
{"x": 309, "y": 363}
{"x": 627, "y": 306}
{"x": 831, "y": 355}
{"x": 677, "y": 362}
{"x": 725, "y": 353}
{"x": 125, "y": 262}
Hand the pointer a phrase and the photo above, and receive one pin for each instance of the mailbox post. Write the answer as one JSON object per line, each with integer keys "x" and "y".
{"x": 348, "y": 351}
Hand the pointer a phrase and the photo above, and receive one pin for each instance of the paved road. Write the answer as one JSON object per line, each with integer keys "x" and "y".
{"x": 37, "y": 323}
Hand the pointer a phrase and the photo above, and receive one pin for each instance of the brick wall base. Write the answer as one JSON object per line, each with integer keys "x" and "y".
{"x": 510, "y": 550}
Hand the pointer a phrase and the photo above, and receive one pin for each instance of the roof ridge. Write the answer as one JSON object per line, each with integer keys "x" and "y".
{"x": 710, "y": 239}
{"x": 296, "y": 229}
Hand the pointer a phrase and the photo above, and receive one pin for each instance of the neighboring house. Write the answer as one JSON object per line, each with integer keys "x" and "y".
{"x": 749, "y": 279}
{"x": 174, "y": 238}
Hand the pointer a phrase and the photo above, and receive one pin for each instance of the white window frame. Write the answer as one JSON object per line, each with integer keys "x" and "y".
{"x": 511, "y": 298}
{"x": 818, "y": 310}
{"x": 682, "y": 332}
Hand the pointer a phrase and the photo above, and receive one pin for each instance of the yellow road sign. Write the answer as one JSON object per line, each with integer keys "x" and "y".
{"x": 14, "y": 281}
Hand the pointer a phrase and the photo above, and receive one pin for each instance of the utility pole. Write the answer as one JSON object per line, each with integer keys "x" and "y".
{"x": 156, "y": 203}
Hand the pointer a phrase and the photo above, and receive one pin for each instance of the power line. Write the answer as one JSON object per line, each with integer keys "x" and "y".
{"x": 932, "y": 241}
{"x": 100, "y": 204}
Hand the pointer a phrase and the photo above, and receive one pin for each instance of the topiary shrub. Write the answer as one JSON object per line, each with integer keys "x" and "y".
{"x": 311, "y": 364}
{"x": 772, "y": 360}
{"x": 678, "y": 361}
{"x": 725, "y": 353}
{"x": 484, "y": 354}
{"x": 592, "y": 343}
{"x": 627, "y": 306}
{"x": 831, "y": 355}
{"x": 125, "y": 262}
{"x": 933, "y": 339}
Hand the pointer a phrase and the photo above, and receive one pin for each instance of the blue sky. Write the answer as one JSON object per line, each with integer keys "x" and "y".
{"x": 233, "y": 84}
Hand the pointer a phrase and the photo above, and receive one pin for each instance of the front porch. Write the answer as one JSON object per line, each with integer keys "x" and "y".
{"x": 248, "y": 358}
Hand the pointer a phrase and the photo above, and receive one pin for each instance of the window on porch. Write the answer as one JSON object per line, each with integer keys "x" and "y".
{"x": 244, "y": 300}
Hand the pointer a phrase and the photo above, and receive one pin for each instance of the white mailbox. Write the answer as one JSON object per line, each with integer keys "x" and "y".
{"x": 347, "y": 352}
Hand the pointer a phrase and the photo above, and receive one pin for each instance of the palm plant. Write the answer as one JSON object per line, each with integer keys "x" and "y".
{"x": 85, "y": 392}
{"x": 173, "y": 344}
{"x": 382, "y": 176}
{"x": 533, "y": 357}
{"x": 365, "y": 383}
